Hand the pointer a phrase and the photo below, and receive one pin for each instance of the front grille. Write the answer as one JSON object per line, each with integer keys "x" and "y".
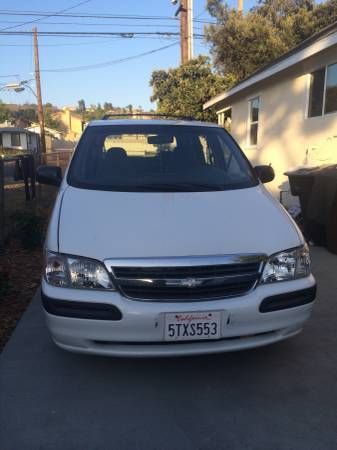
{"x": 187, "y": 282}
{"x": 218, "y": 270}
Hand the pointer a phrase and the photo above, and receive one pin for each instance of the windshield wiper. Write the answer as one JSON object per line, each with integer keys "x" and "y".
{"x": 180, "y": 187}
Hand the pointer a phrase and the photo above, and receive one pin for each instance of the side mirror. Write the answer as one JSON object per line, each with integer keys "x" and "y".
{"x": 49, "y": 175}
{"x": 265, "y": 173}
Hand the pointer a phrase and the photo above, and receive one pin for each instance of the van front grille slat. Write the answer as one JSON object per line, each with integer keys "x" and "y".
{"x": 187, "y": 283}
{"x": 184, "y": 272}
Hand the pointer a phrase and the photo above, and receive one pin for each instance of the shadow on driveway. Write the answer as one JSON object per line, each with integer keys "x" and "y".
{"x": 281, "y": 397}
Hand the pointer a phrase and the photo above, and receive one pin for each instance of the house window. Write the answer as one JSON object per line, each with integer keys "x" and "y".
{"x": 207, "y": 151}
{"x": 15, "y": 140}
{"x": 323, "y": 91}
{"x": 225, "y": 119}
{"x": 254, "y": 108}
{"x": 331, "y": 89}
{"x": 316, "y": 93}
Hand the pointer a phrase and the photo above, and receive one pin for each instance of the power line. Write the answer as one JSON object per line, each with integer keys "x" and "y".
{"x": 37, "y": 20}
{"x": 102, "y": 24}
{"x": 93, "y": 41}
{"x": 109, "y": 63}
{"x": 90, "y": 15}
{"x": 125, "y": 34}
{"x": 200, "y": 14}
{"x": 107, "y": 40}
{"x": 96, "y": 16}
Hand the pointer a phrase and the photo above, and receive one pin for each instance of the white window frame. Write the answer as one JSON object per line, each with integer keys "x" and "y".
{"x": 307, "y": 100}
{"x": 325, "y": 67}
{"x": 324, "y": 89}
{"x": 249, "y": 122}
{"x": 220, "y": 115}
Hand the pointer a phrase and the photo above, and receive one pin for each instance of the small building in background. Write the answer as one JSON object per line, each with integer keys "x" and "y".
{"x": 19, "y": 140}
{"x": 52, "y": 137}
{"x": 285, "y": 114}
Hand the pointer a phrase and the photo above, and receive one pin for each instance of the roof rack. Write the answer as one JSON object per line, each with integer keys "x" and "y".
{"x": 155, "y": 115}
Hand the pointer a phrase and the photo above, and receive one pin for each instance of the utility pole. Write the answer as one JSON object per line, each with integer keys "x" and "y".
{"x": 240, "y": 6}
{"x": 183, "y": 31}
{"x": 38, "y": 91}
{"x": 190, "y": 29}
{"x": 186, "y": 29}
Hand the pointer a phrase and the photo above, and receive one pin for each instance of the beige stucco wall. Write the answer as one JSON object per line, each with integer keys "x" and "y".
{"x": 287, "y": 137}
{"x": 72, "y": 122}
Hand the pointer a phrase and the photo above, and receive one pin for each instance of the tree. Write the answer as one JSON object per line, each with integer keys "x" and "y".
{"x": 292, "y": 19}
{"x": 183, "y": 90}
{"x": 325, "y": 14}
{"x": 107, "y": 106}
{"x": 28, "y": 114}
{"x": 81, "y": 106}
{"x": 243, "y": 43}
{"x": 4, "y": 113}
{"x": 95, "y": 113}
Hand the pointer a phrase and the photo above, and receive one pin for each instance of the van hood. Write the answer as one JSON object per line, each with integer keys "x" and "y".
{"x": 101, "y": 225}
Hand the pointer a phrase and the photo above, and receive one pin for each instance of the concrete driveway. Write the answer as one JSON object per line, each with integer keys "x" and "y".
{"x": 281, "y": 397}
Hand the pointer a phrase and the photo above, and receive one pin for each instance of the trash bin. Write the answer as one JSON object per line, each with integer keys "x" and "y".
{"x": 301, "y": 185}
{"x": 301, "y": 181}
{"x": 317, "y": 191}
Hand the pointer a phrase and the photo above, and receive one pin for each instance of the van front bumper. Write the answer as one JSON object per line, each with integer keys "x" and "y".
{"x": 106, "y": 323}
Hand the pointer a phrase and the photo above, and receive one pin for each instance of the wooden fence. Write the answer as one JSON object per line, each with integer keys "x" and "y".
{"x": 60, "y": 158}
{"x": 17, "y": 181}
{"x": 17, "y": 184}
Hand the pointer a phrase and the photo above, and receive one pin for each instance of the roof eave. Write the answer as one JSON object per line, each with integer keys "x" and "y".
{"x": 295, "y": 58}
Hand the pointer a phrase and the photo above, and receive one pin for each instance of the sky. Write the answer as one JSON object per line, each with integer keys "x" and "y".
{"x": 121, "y": 84}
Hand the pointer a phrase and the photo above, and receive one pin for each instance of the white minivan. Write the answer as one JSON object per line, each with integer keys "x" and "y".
{"x": 163, "y": 242}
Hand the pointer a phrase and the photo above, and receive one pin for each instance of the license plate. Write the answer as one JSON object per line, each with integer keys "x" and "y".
{"x": 192, "y": 326}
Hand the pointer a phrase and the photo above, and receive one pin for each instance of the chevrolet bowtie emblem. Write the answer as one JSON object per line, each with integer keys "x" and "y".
{"x": 186, "y": 282}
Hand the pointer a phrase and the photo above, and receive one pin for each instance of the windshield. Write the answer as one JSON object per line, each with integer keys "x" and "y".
{"x": 159, "y": 158}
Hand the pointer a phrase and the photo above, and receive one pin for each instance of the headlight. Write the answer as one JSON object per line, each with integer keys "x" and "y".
{"x": 76, "y": 272}
{"x": 287, "y": 265}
